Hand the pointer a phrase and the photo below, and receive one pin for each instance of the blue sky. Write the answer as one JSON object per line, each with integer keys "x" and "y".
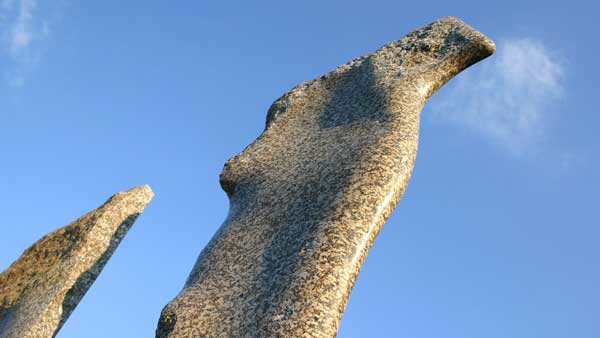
{"x": 496, "y": 236}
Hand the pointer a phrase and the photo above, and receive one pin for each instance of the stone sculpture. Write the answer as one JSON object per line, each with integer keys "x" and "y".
{"x": 39, "y": 291}
{"x": 310, "y": 195}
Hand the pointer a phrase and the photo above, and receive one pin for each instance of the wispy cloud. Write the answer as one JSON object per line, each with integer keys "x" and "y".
{"x": 23, "y": 29}
{"x": 510, "y": 98}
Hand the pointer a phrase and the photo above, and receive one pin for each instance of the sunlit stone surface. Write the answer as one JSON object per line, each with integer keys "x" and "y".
{"x": 310, "y": 195}
{"x": 39, "y": 291}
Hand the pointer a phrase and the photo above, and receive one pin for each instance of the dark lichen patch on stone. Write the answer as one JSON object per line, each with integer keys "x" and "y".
{"x": 355, "y": 98}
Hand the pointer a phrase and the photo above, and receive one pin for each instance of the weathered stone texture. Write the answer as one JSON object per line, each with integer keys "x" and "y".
{"x": 39, "y": 291}
{"x": 309, "y": 196}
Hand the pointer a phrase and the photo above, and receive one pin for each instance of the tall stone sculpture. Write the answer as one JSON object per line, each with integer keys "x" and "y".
{"x": 39, "y": 291}
{"x": 310, "y": 195}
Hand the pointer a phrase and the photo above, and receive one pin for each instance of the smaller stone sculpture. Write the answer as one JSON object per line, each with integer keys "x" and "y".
{"x": 41, "y": 289}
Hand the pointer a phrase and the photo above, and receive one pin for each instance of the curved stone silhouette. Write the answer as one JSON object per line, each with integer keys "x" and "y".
{"x": 308, "y": 197}
{"x": 39, "y": 291}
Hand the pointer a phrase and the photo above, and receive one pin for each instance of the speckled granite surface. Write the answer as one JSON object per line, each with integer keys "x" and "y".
{"x": 308, "y": 197}
{"x": 39, "y": 291}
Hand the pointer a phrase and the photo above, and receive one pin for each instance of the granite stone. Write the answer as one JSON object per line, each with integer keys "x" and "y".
{"x": 311, "y": 193}
{"x": 41, "y": 289}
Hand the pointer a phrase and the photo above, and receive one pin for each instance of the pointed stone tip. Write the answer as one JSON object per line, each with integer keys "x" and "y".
{"x": 141, "y": 191}
{"x": 135, "y": 199}
{"x": 485, "y": 44}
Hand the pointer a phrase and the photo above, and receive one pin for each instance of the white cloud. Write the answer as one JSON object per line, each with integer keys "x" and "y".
{"x": 510, "y": 98}
{"x": 23, "y": 29}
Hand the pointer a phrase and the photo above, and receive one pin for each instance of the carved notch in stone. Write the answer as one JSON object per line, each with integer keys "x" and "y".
{"x": 310, "y": 195}
{"x": 39, "y": 291}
